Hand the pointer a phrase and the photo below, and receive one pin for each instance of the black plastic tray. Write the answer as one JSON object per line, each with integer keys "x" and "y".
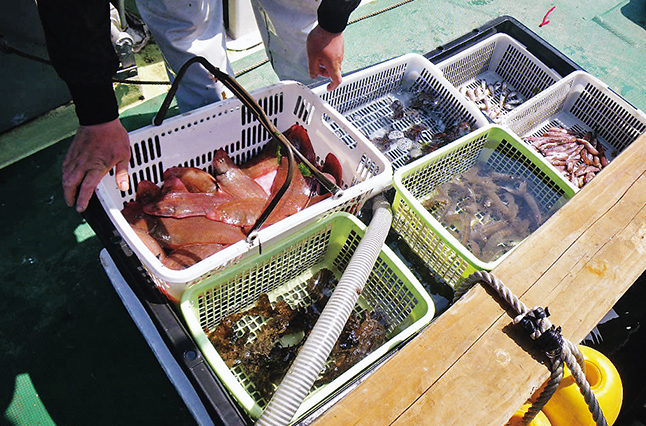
{"x": 218, "y": 403}
{"x": 215, "y": 398}
{"x": 540, "y": 48}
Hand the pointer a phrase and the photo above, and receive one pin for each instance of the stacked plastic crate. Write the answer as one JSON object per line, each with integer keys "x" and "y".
{"x": 509, "y": 96}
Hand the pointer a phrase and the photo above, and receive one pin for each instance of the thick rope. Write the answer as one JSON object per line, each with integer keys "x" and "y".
{"x": 558, "y": 349}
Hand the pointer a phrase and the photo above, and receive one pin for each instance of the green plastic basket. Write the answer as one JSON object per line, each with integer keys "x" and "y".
{"x": 281, "y": 272}
{"x": 443, "y": 253}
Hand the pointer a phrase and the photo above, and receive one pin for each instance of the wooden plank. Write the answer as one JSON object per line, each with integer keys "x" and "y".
{"x": 471, "y": 366}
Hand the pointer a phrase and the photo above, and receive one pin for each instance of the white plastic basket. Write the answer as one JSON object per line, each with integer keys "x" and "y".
{"x": 365, "y": 98}
{"x": 499, "y": 58}
{"x": 191, "y": 140}
{"x": 581, "y": 102}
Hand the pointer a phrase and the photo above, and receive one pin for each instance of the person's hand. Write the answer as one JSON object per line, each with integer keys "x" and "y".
{"x": 93, "y": 152}
{"x": 325, "y": 53}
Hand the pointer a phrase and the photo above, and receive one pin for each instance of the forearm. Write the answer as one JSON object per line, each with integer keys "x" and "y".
{"x": 77, "y": 33}
{"x": 333, "y": 15}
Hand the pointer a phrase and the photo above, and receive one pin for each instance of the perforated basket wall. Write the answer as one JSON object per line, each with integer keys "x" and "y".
{"x": 504, "y": 153}
{"x": 581, "y": 102}
{"x": 365, "y": 98}
{"x": 281, "y": 272}
{"x": 499, "y": 58}
{"x": 191, "y": 140}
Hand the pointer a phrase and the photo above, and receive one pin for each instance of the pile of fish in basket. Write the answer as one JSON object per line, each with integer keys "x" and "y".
{"x": 480, "y": 149}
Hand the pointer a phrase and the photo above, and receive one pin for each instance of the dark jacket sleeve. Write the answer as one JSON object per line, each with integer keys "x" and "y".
{"x": 333, "y": 15}
{"x": 77, "y": 33}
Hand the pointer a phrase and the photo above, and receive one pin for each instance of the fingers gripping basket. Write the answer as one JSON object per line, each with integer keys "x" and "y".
{"x": 365, "y": 98}
{"x": 499, "y": 59}
{"x": 281, "y": 272}
{"x": 191, "y": 140}
{"x": 431, "y": 239}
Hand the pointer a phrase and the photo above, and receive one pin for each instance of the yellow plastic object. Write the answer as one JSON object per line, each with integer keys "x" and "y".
{"x": 567, "y": 406}
{"x": 540, "y": 419}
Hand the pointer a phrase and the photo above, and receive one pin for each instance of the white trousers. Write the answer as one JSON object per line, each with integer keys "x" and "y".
{"x": 187, "y": 28}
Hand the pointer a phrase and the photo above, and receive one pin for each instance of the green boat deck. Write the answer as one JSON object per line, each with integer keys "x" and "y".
{"x": 71, "y": 353}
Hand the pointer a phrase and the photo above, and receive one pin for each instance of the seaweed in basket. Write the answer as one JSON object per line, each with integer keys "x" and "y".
{"x": 266, "y": 353}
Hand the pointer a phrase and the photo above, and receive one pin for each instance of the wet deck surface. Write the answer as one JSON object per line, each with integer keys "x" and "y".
{"x": 71, "y": 353}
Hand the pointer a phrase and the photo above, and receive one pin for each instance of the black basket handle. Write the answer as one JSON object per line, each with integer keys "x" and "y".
{"x": 260, "y": 115}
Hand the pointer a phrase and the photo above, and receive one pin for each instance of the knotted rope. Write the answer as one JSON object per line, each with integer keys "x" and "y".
{"x": 557, "y": 349}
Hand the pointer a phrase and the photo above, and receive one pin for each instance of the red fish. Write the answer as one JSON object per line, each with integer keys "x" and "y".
{"x": 188, "y": 255}
{"x": 151, "y": 243}
{"x": 194, "y": 214}
{"x": 147, "y": 192}
{"x": 264, "y": 163}
{"x": 333, "y": 167}
{"x": 195, "y": 180}
{"x": 245, "y": 212}
{"x": 233, "y": 180}
{"x": 298, "y": 136}
{"x": 240, "y": 212}
{"x": 172, "y": 233}
{"x": 142, "y": 224}
{"x": 294, "y": 199}
{"x": 186, "y": 204}
{"x": 173, "y": 184}
{"x": 266, "y": 181}
{"x": 135, "y": 216}
{"x": 317, "y": 198}
{"x": 317, "y": 190}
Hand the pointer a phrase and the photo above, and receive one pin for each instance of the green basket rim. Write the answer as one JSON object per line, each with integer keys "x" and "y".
{"x": 402, "y": 193}
{"x": 313, "y": 400}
